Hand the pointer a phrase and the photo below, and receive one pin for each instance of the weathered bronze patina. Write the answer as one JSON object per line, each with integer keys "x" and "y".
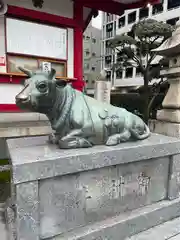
{"x": 78, "y": 120}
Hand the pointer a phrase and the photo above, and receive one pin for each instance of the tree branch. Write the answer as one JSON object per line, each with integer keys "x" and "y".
{"x": 151, "y": 42}
{"x": 151, "y": 58}
{"x": 118, "y": 49}
{"x": 139, "y": 63}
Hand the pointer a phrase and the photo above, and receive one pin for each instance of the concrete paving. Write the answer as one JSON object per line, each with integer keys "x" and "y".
{"x": 168, "y": 231}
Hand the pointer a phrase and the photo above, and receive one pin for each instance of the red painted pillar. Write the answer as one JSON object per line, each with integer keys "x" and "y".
{"x": 78, "y": 47}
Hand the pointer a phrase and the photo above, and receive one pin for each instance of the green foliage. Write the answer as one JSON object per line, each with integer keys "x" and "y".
{"x": 121, "y": 41}
{"x": 5, "y": 175}
{"x": 151, "y": 28}
{"x": 148, "y": 35}
{"x": 135, "y": 49}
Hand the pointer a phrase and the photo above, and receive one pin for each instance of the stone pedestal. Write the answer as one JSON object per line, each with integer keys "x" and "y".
{"x": 170, "y": 49}
{"x": 165, "y": 128}
{"x": 168, "y": 119}
{"x": 169, "y": 115}
{"x": 172, "y": 98}
{"x": 96, "y": 193}
{"x": 103, "y": 91}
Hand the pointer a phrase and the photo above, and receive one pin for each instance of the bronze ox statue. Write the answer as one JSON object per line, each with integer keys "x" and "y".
{"x": 78, "y": 120}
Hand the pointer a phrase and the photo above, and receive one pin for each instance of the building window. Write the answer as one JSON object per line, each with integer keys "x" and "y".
{"x": 121, "y": 22}
{"x": 109, "y": 30}
{"x": 173, "y": 4}
{"x": 108, "y": 50}
{"x": 108, "y": 59}
{"x": 87, "y": 53}
{"x": 93, "y": 68}
{"x": 93, "y": 54}
{"x": 109, "y": 17}
{"x": 132, "y": 17}
{"x": 93, "y": 81}
{"x": 157, "y": 8}
{"x": 86, "y": 66}
{"x": 119, "y": 73}
{"x": 115, "y": 25}
{"x": 93, "y": 40}
{"x": 109, "y": 75}
{"x": 172, "y": 21}
{"x": 109, "y": 34}
{"x": 33, "y": 64}
{"x": 143, "y": 13}
{"x": 138, "y": 71}
{"x": 109, "y": 27}
{"x": 87, "y": 38}
{"x": 129, "y": 72}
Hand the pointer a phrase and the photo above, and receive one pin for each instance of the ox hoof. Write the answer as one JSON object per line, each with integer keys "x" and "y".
{"x": 52, "y": 139}
{"x": 112, "y": 142}
{"x": 74, "y": 143}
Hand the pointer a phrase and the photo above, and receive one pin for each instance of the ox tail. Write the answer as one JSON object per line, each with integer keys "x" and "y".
{"x": 139, "y": 136}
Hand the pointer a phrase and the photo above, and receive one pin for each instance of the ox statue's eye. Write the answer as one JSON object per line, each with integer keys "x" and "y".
{"x": 42, "y": 86}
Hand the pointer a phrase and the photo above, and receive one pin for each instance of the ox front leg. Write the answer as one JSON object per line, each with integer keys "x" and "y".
{"x": 53, "y": 138}
{"x": 74, "y": 139}
{"x": 118, "y": 138}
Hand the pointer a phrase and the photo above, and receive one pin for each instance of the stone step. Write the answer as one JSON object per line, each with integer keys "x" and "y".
{"x": 168, "y": 230}
{"x": 3, "y": 231}
{"x": 127, "y": 224}
{"x": 175, "y": 237}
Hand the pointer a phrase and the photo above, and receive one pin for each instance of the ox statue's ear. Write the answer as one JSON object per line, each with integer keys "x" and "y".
{"x": 22, "y": 82}
{"x": 61, "y": 83}
{"x": 52, "y": 74}
{"x": 26, "y": 71}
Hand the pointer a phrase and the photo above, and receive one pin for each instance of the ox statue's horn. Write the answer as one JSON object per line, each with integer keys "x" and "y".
{"x": 52, "y": 74}
{"x": 3, "y": 7}
{"x": 26, "y": 71}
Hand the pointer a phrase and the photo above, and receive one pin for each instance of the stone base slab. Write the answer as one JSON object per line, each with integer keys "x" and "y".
{"x": 127, "y": 224}
{"x": 169, "y": 115}
{"x": 21, "y": 117}
{"x": 90, "y": 193}
{"x": 165, "y": 128}
{"x": 119, "y": 227}
{"x": 21, "y": 125}
{"x": 25, "y": 129}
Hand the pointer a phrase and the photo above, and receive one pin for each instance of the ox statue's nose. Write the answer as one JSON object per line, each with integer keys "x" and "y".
{"x": 21, "y": 98}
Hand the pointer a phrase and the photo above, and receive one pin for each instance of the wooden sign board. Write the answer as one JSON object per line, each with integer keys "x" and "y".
{"x": 2, "y": 61}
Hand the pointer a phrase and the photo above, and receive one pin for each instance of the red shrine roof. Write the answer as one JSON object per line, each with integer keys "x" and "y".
{"x": 116, "y": 7}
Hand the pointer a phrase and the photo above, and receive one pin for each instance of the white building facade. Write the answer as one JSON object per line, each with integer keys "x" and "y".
{"x": 166, "y": 11}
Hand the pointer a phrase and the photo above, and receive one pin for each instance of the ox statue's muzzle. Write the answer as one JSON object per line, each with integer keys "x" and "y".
{"x": 23, "y": 101}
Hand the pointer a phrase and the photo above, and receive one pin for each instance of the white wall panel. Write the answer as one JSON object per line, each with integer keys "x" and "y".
{"x": 70, "y": 64}
{"x": 30, "y": 38}
{"x": 8, "y": 93}
{"x": 2, "y": 42}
